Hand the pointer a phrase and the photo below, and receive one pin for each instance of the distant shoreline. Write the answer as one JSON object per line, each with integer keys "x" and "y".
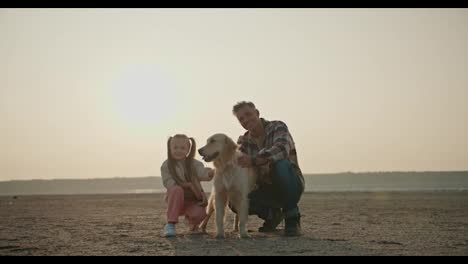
{"x": 305, "y": 174}
{"x": 306, "y": 192}
{"x": 340, "y": 182}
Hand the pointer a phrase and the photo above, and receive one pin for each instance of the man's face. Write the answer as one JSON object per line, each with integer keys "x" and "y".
{"x": 248, "y": 117}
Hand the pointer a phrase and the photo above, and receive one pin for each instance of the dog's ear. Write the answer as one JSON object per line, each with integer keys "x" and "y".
{"x": 231, "y": 146}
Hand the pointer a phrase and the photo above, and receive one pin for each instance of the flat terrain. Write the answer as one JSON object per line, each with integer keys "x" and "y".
{"x": 341, "y": 223}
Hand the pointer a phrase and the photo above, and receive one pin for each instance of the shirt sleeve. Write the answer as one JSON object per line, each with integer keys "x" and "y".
{"x": 282, "y": 144}
{"x": 202, "y": 172}
{"x": 242, "y": 144}
{"x": 167, "y": 179}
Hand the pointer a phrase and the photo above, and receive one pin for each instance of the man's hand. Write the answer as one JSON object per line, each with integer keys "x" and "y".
{"x": 261, "y": 161}
{"x": 245, "y": 161}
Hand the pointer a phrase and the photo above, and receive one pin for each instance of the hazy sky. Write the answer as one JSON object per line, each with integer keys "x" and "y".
{"x": 91, "y": 93}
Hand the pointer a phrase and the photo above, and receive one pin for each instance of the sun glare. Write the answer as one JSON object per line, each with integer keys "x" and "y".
{"x": 143, "y": 94}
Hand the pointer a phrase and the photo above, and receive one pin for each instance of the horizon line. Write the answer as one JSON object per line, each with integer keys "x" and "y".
{"x": 344, "y": 172}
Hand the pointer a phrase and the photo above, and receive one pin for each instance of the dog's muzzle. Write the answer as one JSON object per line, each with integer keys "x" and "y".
{"x": 210, "y": 158}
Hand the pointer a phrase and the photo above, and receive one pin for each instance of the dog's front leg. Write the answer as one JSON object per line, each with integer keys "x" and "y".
{"x": 220, "y": 204}
{"x": 235, "y": 202}
{"x": 243, "y": 216}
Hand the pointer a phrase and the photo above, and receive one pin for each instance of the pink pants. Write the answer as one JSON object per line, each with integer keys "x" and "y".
{"x": 177, "y": 206}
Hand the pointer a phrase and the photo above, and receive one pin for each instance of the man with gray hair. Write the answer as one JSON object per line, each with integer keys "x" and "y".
{"x": 269, "y": 148}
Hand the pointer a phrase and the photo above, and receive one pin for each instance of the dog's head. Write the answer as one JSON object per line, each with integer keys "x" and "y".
{"x": 219, "y": 148}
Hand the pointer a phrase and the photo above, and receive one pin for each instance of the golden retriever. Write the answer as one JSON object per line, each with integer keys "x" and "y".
{"x": 231, "y": 184}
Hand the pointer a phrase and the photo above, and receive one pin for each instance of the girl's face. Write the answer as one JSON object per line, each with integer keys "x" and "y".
{"x": 179, "y": 148}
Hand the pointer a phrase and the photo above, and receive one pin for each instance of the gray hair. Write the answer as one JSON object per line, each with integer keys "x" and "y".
{"x": 239, "y": 105}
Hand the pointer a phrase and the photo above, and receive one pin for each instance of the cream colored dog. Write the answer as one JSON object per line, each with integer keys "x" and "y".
{"x": 231, "y": 184}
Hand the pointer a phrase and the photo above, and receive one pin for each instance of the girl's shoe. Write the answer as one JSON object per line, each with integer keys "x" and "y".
{"x": 169, "y": 230}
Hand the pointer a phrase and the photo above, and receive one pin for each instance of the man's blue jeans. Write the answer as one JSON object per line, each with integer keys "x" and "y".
{"x": 284, "y": 192}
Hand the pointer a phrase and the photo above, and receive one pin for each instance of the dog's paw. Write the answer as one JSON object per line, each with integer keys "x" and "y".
{"x": 244, "y": 235}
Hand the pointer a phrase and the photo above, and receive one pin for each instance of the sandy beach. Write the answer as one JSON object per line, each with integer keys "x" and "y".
{"x": 341, "y": 223}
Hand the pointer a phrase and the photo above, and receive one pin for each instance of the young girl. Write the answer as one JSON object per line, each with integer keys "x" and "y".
{"x": 181, "y": 175}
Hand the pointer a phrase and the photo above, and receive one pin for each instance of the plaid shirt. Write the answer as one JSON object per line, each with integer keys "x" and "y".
{"x": 278, "y": 145}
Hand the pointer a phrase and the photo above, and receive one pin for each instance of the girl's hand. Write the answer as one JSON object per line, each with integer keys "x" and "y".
{"x": 204, "y": 201}
{"x": 197, "y": 193}
{"x": 186, "y": 185}
{"x": 210, "y": 174}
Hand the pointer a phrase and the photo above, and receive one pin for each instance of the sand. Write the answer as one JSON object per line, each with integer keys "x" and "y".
{"x": 388, "y": 223}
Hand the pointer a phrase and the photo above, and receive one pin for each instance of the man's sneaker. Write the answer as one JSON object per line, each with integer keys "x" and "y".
{"x": 292, "y": 226}
{"x": 275, "y": 217}
{"x": 169, "y": 230}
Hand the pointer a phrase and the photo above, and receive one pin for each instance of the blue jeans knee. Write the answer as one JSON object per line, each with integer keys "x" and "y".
{"x": 287, "y": 183}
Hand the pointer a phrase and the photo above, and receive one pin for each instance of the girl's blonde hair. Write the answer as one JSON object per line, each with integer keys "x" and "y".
{"x": 191, "y": 174}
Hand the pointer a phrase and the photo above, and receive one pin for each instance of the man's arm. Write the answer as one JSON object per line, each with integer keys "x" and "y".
{"x": 245, "y": 160}
{"x": 242, "y": 143}
{"x": 282, "y": 143}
